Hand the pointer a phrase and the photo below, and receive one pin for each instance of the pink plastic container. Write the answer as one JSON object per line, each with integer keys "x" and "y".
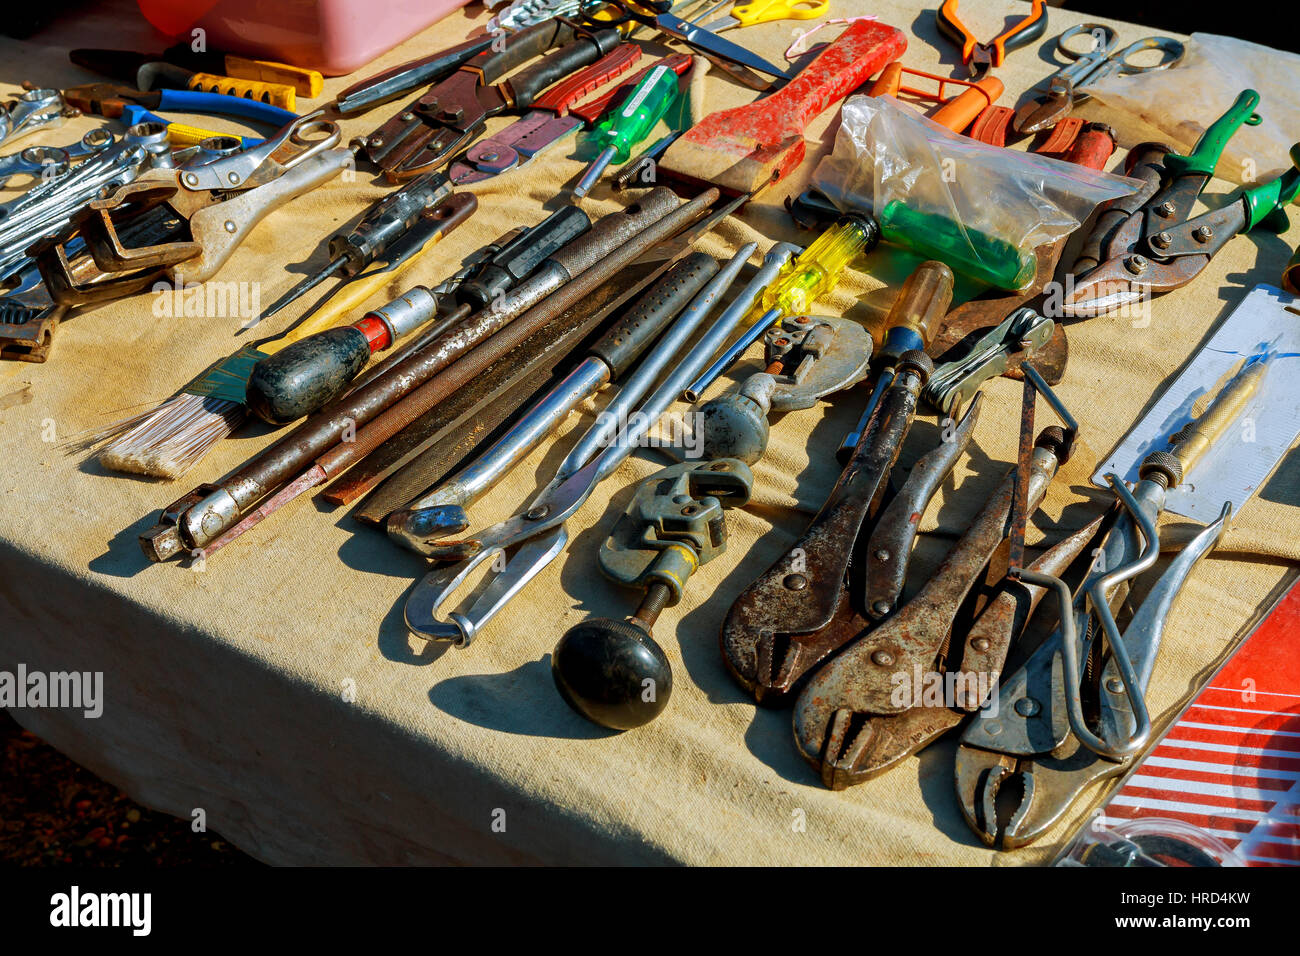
{"x": 332, "y": 36}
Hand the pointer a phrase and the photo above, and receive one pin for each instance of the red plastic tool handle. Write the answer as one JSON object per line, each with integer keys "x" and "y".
{"x": 561, "y": 97}
{"x": 594, "y": 109}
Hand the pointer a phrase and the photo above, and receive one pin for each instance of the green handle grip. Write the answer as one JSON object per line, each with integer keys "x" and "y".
{"x": 976, "y": 255}
{"x": 1267, "y": 202}
{"x": 1205, "y": 156}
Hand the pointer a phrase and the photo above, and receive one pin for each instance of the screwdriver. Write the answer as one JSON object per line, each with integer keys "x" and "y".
{"x": 912, "y": 320}
{"x": 804, "y": 280}
{"x": 313, "y": 371}
{"x": 619, "y": 132}
{"x": 386, "y": 221}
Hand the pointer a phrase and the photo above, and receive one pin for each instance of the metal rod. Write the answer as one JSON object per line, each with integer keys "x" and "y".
{"x": 729, "y": 357}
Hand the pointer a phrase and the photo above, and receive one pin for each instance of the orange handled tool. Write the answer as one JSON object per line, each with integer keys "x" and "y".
{"x": 981, "y": 57}
{"x": 277, "y": 94}
{"x": 954, "y": 112}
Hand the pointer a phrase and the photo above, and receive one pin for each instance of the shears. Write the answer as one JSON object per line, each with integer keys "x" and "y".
{"x": 761, "y": 11}
{"x": 1100, "y": 61}
{"x": 981, "y": 57}
{"x": 655, "y": 13}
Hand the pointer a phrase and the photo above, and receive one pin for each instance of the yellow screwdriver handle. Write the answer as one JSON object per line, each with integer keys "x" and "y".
{"x": 1195, "y": 438}
{"x": 277, "y": 94}
{"x": 308, "y": 83}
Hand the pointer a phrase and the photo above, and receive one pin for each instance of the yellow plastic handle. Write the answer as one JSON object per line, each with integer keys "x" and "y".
{"x": 305, "y": 82}
{"x": 763, "y": 11}
{"x": 179, "y": 135}
{"x": 277, "y": 94}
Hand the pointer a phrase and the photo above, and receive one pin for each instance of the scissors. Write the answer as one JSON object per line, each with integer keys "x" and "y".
{"x": 762, "y": 11}
{"x": 1099, "y": 61}
{"x": 654, "y": 13}
{"x": 981, "y": 57}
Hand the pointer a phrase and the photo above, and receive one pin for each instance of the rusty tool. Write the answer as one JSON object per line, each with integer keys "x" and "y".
{"x": 442, "y": 510}
{"x": 613, "y": 672}
{"x": 776, "y": 631}
{"x": 743, "y": 150}
{"x": 209, "y": 511}
{"x": 453, "y": 113}
{"x": 835, "y": 715}
{"x": 1075, "y": 712}
{"x": 212, "y": 208}
{"x": 426, "y": 451}
{"x": 955, "y": 383}
{"x": 1149, "y": 242}
{"x": 1089, "y": 67}
{"x": 458, "y": 375}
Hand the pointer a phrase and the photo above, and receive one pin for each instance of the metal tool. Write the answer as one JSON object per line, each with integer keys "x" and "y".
{"x": 613, "y": 672}
{"x": 33, "y": 110}
{"x": 812, "y": 275}
{"x": 206, "y": 212}
{"x": 385, "y": 221}
{"x": 655, "y": 13}
{"x": 399, "y": 80}
{"x": 539, "y": 532}
{"x": 213, "y": 515}
{"x": 441, "y": 512}
{"x": 761, "y": 11}
{"x": 1089, "y": 68}
{"x": 805, "y": 358}
{"x": 452, "y": 114}
{"x": 746, "y": 149}
{"x": 955, "y": 383}
{"x": 431, "y": 448}
{"x": 1149, "y": 242}
{"x": 778, "y": 629}
{"x": 156, "y": 73}
{"x": 620, "y": 131}
{"x": 555, "y": 115}
{"x": 838, "y": 714}
{"x": 1060, "y": 726}
{"x": 305, "y": 376}
{"x": 981, "y": 57}
{"x": 111, "y": 100}
{"x": 53, "y": 161}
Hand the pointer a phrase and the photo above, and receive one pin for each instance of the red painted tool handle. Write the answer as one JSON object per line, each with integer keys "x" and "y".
{"x": 853, "y": 58}
{"x": 594, "y": 109}
{"x": 560, "y": 97}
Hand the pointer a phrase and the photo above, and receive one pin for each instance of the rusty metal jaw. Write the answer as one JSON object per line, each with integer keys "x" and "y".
{"x": 797, "y": 613}
{"x": 1030, "y": 741}
{"x": 892, "y": 690}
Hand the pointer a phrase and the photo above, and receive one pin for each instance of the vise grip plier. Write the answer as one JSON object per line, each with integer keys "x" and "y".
{"x": 1074, "y": 715}
{"x": 1148, "y": 243}
{"x": 850, "y": 721}
{"x": 452, "y": 114}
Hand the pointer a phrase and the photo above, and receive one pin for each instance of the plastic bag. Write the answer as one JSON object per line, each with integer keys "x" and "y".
{"x": 890, "y": 159}
{"x": 1175, "y": 106}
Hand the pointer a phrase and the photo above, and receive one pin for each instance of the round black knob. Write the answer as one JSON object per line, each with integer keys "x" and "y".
{"x": 612, "y": 672}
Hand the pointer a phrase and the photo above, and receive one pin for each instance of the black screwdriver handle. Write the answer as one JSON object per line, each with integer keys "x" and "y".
{"x": 387, "y": 220}
{"x": 520, "y": 48}
{"x": 518, "y": 258}
{"x": 390, "y": 84}
{"x": 622, "y": 344}
{"x": 529, "y": 83}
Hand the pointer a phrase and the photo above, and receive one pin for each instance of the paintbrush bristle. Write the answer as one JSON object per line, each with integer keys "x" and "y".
{"x": 173, "y": 438}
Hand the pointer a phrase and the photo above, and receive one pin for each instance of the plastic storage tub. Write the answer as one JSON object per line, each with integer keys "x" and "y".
{"x": 332, "y": 36}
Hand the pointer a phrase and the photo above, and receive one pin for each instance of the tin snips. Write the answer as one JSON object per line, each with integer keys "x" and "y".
{"x": 1148, "y": 242}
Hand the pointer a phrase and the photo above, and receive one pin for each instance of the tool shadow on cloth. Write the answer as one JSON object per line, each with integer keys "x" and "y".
{"x": 493, "y": 701}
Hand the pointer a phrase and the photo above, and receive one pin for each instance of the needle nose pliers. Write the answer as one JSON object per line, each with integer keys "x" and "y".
{"x": 981, "y": 57}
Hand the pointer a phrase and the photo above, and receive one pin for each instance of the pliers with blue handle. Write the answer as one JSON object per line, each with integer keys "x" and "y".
{"x": 114, "y": 101}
